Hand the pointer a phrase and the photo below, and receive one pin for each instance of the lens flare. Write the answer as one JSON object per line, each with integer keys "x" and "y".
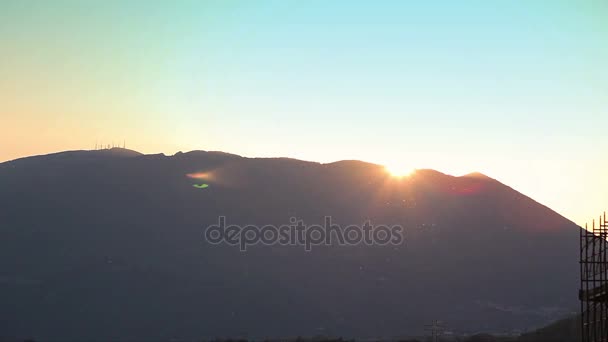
{"x": 199, "y": 175}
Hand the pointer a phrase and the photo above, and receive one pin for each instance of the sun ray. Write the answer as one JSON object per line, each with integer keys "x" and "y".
{"x": 398, "y": 171}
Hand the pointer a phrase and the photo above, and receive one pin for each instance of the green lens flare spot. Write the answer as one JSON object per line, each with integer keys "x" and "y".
{"x": 201, "y": 186}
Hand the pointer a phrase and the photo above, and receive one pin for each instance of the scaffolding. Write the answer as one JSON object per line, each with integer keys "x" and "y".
{"x": 593, "y": 292}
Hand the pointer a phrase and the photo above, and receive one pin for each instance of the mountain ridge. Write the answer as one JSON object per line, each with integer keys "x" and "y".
{"x": 120, "y": 240}
{"x": 122, "y": 152}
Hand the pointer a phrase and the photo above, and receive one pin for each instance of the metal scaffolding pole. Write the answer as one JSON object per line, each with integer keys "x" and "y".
{"x": 593, "y": 292}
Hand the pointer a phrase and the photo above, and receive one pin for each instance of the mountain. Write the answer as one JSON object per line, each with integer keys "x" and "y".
{"x": 109, "y": 245}
{"x": 564, "y": 330}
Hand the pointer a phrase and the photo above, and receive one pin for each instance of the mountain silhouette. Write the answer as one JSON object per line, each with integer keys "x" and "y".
{"x": 108, "y": 245}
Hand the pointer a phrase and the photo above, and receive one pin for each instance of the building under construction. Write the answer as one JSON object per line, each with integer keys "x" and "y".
{"x": 593, "y": 292}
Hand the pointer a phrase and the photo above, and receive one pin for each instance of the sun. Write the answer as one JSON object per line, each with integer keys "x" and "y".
{"x": 398, "y": 171}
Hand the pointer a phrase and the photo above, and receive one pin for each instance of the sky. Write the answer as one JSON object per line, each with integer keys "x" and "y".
{"x": 517, "y": 90}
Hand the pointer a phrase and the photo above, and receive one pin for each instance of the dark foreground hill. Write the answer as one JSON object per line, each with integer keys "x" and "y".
{"x": 564, "y": 330}
{"x": 109, "y": 245}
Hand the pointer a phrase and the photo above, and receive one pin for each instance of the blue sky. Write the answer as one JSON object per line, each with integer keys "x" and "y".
{"x": 515, "y": 89}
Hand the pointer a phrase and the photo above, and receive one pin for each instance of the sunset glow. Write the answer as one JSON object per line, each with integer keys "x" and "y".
{"x": 455, "y": 87}
{"x": 399, "y": 171}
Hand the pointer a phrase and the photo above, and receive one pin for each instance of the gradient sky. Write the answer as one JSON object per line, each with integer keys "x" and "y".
{"x": 517, "y": 90}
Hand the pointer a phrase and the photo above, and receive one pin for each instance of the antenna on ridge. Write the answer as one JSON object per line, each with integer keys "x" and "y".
{"x": 436, "y": 329}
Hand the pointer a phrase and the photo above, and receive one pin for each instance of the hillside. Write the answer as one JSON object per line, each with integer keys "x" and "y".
{"x": 110, "y": 246}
